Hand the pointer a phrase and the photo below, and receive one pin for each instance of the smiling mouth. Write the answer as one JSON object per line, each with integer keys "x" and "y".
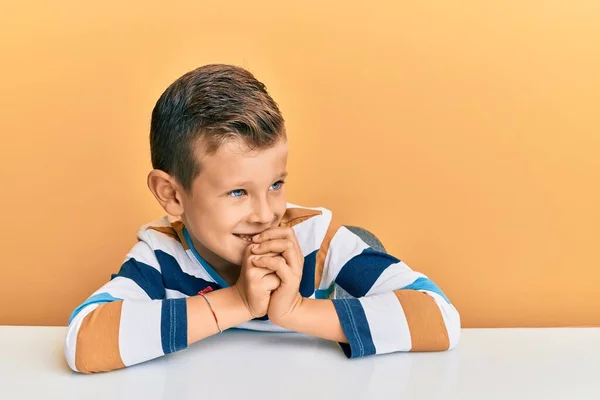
{"x": 247, "y": 238}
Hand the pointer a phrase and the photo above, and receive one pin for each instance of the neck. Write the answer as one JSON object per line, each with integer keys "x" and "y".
{"x": 226, "y": 270}
{"x": 229, "y": 274}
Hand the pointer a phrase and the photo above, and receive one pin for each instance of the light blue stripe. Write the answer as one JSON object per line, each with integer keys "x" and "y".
{"x": 324, "y": 293}
{"x": 95, "y": 299}
{"x": 426, "y": 284}
{"x": 201, "y": 260}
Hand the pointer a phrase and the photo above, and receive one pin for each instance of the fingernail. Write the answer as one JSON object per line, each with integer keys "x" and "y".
{"x": 254, "y": 246}
{"x": 255, "y": 237}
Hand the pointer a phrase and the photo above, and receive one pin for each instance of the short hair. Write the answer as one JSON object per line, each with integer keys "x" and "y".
{"x": 213, "y": 103}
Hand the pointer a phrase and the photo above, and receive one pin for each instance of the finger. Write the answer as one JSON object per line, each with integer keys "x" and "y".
{"x": 247, "y": 252}
{"x": 277, "y": 246}
{"x": 286, "y": 248}
{"x": 271, "y": 281}
{"x": 259, "y": 272}
{"x": 274, "y": 233}
{"x": 248, "y": 255}
{"x": 278, "y": 265}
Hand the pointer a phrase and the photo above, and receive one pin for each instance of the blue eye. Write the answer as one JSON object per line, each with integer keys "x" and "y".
{"x": 277, "y": 185}
{"x": 237, "y": 193}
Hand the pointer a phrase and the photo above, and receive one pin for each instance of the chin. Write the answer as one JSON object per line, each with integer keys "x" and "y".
{"x": 236, "y": 250}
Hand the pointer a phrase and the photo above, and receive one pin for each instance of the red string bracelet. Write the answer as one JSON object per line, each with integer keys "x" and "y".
{"x": 211, "y": 310}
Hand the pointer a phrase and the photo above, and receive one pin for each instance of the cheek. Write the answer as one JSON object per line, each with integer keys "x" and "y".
{"x": 279, "y": 209}
{"x": 211, "y": 225}
{"x": 228, "y": 219}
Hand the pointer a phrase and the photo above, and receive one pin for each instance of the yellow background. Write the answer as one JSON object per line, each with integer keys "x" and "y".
{"x": 465, "y": 134}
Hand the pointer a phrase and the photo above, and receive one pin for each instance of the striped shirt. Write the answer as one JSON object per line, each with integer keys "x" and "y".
{"x": 141, "y": 314}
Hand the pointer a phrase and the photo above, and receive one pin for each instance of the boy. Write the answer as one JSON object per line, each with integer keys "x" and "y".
{"x": 233, "y": 253}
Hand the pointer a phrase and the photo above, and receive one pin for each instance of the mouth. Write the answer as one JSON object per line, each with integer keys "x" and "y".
{"x": 244, "y": 237}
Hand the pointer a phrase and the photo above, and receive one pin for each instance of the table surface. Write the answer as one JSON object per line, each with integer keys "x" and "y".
{"x": 537, "y": 363}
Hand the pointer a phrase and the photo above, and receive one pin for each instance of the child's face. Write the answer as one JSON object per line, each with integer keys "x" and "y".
{"x": 238, "y": 192}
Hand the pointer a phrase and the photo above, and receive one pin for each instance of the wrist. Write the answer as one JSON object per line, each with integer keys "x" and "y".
{"x": 240, "y": 302}
{"x": 290, "y": 319}
{"x": 229, "y": 307}
{"x": 317, "y": 318}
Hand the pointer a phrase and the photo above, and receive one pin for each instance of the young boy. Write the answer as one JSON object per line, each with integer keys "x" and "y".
{"x": 233, "y": 253}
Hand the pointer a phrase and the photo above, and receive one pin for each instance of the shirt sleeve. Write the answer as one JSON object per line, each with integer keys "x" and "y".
{"x": 392, "y": 307}
{"x": 128, "y": 320}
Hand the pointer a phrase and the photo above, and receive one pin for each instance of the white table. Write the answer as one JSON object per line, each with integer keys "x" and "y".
{"x": 558, "y": 363}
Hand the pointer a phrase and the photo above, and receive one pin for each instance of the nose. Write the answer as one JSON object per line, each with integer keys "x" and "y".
{"x": 262, "y": 212}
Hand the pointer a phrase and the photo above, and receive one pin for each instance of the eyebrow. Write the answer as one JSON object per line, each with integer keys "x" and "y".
{"x": 238, "y": 184}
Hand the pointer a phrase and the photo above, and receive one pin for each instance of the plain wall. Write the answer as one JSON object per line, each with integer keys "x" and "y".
{"x": 465, "y": 134}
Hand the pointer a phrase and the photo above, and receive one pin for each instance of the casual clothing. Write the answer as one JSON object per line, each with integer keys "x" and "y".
{"x": 141, "y": 314}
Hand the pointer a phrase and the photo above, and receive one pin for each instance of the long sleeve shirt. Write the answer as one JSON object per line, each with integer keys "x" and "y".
{"x": 141, "y": 313}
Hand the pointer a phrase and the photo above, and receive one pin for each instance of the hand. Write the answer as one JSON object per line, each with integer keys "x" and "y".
{"x": 287, "y": 264}
{"x": 255, "y": 285}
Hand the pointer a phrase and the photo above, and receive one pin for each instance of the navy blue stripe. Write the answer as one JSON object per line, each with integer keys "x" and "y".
{"x": 356, "y": 328}
{"x": 360, "y": 273}
{"x": 174, "y": 278}
{"x": 307, "y": 284}
{"x": 145, "y": 276}
{"x": 173, "y": 325}
{"x": 213, "y": 274}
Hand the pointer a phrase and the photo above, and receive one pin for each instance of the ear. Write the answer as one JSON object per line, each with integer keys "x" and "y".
{"x": 167, "y": 191}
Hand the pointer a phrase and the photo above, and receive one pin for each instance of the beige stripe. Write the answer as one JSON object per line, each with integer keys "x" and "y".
{"x": 322, "y": 253}
{"x": 167, "y": 230}
{"x": 178, "y": 227}
{"x": 425, "y": 321}
{"x": 97, "y": 346}
{"x": 293, "y": 216}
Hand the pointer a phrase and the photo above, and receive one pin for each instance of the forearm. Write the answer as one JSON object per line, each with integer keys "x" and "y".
{"x": 317, "y": 318}
{"x": 122, "y": 333}
{"x": 227, "y": 306}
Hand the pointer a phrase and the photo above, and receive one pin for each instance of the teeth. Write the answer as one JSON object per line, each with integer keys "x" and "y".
{"x": 245, "y": 237}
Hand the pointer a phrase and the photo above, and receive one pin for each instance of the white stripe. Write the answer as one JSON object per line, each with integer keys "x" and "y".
{"x": 394, "y": 277}
{"x": 192, "y": 266}
{"x": 140, "y": 332}
{"x": 174, "y": 294}
{"x": 344, "y": 246}
{"x": 71, "y": 337}
{"x": 311, "y": 232}
{"x": 451, "y": 318}
{"x": 292, "y": 205}
{"x": 166, "y": 243}
{"x": 161, "y": 222}
{"x": 185, "y": 258}
{"x": 387, "y": 322}
{"x": 123, "y": 288}
{"x": 141, "y": 252}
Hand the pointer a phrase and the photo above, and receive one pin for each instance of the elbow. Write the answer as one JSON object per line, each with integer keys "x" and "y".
{"x": 90, "y": 347}
{"x": 453, "y": 326}
{"x": 86, "y": 357}
{"x": 70, "y": 346}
